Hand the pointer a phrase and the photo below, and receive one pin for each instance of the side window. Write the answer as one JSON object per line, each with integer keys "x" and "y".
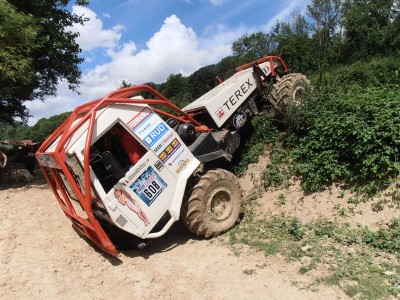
{"x": 113, "y": 154}
{"x": 277, "y": 65}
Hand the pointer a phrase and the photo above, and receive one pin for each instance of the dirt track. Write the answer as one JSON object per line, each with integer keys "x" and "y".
{"x": 43, "y": 257}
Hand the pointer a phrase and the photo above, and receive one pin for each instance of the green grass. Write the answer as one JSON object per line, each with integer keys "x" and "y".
{"x": 351, "y": 138}
{"x": 362, "y": 262}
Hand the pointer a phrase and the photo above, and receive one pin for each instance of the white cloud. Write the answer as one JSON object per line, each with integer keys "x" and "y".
{"x": 65, "y": 101}
{"x": 218, "y": 2}
{"x": 222, "y": 35}
{"x": 175, "y": 48}
{"x": 92, "y": 34}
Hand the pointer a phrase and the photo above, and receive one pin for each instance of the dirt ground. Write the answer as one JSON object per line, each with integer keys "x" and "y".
{"x": 43, "y": 257}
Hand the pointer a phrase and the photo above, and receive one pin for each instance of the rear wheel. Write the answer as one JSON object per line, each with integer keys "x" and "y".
{"x": 289, "y": 92}
{"x": 214, "y": 204}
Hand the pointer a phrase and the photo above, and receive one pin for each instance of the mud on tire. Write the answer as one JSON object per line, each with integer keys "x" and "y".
{"x": 214, "y": 204}
{"x": 289, "y": 91}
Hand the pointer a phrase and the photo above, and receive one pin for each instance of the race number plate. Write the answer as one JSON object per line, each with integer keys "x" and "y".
{"x": 148, "y": 186}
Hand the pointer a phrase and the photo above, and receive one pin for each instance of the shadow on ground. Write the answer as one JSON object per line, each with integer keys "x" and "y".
{"x": 126, "y": 244}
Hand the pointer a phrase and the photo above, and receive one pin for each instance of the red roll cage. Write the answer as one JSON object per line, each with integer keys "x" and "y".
{"x": 55, "y": 160}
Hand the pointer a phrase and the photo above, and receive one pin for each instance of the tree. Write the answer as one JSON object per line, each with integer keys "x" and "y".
{"x": 203, "y": 80}
{"x": 176, "y": 89}
{"x": 44, "y": 127}
{"x": 326, "y": 15}
{"x": 10, "y": 133}
{"x": 394, "y": 27}
{"x": 17, "y": 45}
{"x": 175, "y": 85}
{"x": 226, "y": 67}
{"x": 254, "y": 46}
{"x": 371, "y": 27}
{"x": 37, "y": 51}
{"x": 290, "y": 40}
{"x": 294, "y": 44}
{"x": 125, "y": 84}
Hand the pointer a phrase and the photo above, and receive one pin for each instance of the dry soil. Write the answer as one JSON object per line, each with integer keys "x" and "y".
{"x": 43, "y": 257}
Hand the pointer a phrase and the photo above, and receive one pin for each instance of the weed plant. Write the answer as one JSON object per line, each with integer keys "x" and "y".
{"x": 347, "y": 133}
{"x": 261, "y": 132}
{"x": 348, "y": 256}
{"x": 351, "y": 138}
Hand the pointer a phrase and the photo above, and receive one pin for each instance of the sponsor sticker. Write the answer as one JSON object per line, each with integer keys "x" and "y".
{"x": 163, "y": 156}
{"x": 158, "y": 147}
{"x": 143, "y": 128}
{"x": 169, "y": 150}
{"x": 148, "y": 186}
{"x": 181, "y": 165}
{"x": 159, "y": 165}
{"x": 167, "y": 137}
{"x": 239, "y": 119}
{"x": 138, "y": 119}
{"x": 176, "y": 157}
{"x": 156, "y": 134}
{"x": 136, "y": 170}
{"x": 220, "y": 113}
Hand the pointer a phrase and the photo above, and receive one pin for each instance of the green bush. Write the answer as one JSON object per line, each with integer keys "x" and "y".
{"x": 353, "y": 137}
{"x": 279, "y": 170}
{"x": 259, "y": 133}
{"x": 386, "y": 239}
{"x": 362, "y": 74}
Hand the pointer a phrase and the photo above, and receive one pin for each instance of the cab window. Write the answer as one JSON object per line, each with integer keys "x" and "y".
{"x": 113, "y": 154}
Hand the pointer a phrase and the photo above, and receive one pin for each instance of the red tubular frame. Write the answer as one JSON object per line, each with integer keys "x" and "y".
{"x": 261, "y": 60}
{"x": 87, "y": 112}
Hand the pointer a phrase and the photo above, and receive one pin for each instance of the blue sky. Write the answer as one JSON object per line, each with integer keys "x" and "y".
{"x": 147, "y": 40}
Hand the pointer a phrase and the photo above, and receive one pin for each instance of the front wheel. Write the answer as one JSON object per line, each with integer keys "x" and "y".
{"x": 214, "y": 205}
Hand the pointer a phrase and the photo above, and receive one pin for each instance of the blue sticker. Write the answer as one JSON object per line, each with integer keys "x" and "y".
{"x": 148, "y": 186}
{"x": 155, "y": 134}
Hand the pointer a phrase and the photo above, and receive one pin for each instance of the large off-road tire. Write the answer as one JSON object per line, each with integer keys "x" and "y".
{"x": 214, "y": 204}
{"x": 289, "y": 92}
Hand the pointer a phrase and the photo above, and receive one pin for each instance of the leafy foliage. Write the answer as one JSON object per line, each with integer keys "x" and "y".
{"x": 17, "y": 45}
{"x": 386, "y": 239}
{"x": 361, "y": 74}
{"x": 261, "y": 131}
{"x": 347, "y": 132}
{"x": 371, "y": 28}
{"x": 279, "y": 170}
{"x": 351, "y": 137}
{"x": 254, "y": 46}
{"x": 269, "y": 235}
{"x": 347, "y": 255}
{"x": 37, "y": 133}
{"x": 36, "y": 51}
